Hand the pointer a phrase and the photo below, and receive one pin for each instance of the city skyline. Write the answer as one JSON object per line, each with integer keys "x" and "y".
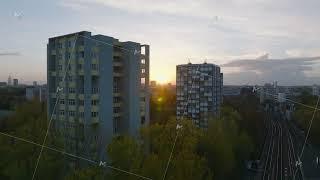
{"x": 250, "y": 32}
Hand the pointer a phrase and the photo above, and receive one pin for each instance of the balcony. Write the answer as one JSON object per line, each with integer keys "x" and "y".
{"x": 53, "y": 73}
{"x": 117, "y": 54}
{"x": 81, "y": 48}
{"x": 81, "y": 72}
{"x": 117, "y": 74}
{"x": 117, "y": 64}
{"x": 81, "y": 120}
{"x": 95, "y": 108}
{"x": 72, "y": 84}
{"x": 94, "y": 121}
{"x": 95, "y": 90}
{"x": 81, "y": 96}
{"x": 81, "y": 60}
{"x": 94, "y": 61}
{"x": 118, "y": 114}
{"x": 71, "y": 119}
{"x": 94, "y": 72}
{"x": 117, "y": 104}
{"x": 72, "y": 107}
{"x": 81, "y": 108}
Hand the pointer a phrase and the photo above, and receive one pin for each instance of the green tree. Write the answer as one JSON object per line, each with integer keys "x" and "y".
{"x": 18, "y": 158}
{"x": 158, "y": 141}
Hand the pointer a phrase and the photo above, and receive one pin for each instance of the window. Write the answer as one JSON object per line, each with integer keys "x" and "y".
{"x": 70, "y": 78}
{"x": 81, "y": 54}
{"x": 94, "y": 54}
{"x": 143, "y": 80}
{"x": 143, "y": 61}
{"x": 60, "y": 78}
{"x": 61, "y": 101}
{"x": 71, "y": 102}
{"x": 143, "y": 70}
{"x": 95, "y": 90}
{"x": 143, "y": 119}
{"x": 71, "y": 113}
{"x": 80, "y": 67}
{"x": 69, "y": 67}
{"x": 60, "y": 67}
{"x": 81, "y": 102}
{"x": 68, "y": 55}
{"x": 72, "y": 90}
{"x": 59, "y": 45}
{"x": 116, "y": 99}
{"x": 116, "y": 110}
{"x": 95, "y": 102}
{"x": 94, "y": 114}
{"x": 81, "y": 114}
{"x": 69, "y": 44}
{"x": 115, "y": 124}
{"x": 94, "y": 66}
{"x": 62, "y": 112}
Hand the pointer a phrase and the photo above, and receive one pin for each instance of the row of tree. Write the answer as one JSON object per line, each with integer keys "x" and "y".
{"x": 18, "y": 158}
{"x": 10, "y": 97}
{"x": 218, "y": 153}
{"x": 304, "y": 115}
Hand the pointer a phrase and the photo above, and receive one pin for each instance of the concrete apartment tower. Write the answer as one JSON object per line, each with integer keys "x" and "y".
{"x": 105, "y": 91}
{"x": 199, "y": 92}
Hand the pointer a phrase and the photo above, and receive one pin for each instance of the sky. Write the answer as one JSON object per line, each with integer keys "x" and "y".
{"x": 254, "y": 41}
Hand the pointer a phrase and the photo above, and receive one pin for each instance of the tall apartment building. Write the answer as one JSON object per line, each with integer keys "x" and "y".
{"x": 105, "y": 91}
{"x": 199, "y": 92}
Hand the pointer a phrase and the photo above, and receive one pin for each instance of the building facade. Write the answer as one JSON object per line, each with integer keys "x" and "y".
{"x": 36, "y": 92}
{"x": 315, "y": 90}
{"x": 101, "y": 87}
{"x": 15, "y": 82}
{"x": 199, "y": 92}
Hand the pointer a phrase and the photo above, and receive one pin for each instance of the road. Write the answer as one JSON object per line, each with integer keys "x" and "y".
{"x": 280, "y": 157}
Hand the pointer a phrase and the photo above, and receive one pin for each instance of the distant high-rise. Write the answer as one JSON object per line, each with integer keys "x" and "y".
{"x": 315, "y": 90}
{"x": 102, "y": 86}
{"x": 9, "y": 81}
{"x": 35, "y": 83}
{"x": 199, "y": 92}
{"x": 15, "y": 82}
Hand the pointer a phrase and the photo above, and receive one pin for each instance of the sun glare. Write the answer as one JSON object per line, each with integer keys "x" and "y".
{"x": 161, "y": 79}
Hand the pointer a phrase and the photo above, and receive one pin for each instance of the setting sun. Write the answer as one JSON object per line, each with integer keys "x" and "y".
{"x": 162, "y": 78}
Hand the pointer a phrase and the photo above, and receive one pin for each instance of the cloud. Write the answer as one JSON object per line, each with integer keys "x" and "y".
{"x": 10, "y": 54}
{"x": 302, "y": 52}
{"x": 72, "y": 5}
{"x": 288, "y": 71}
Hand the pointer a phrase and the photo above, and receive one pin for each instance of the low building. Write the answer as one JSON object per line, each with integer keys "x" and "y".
{"x": 2, "y": 84}
{"x": 281, "y": 97}
{"x": 315, "y": 90}
{"x": 231, "y": 90}
{"x": 36, "y": 92}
